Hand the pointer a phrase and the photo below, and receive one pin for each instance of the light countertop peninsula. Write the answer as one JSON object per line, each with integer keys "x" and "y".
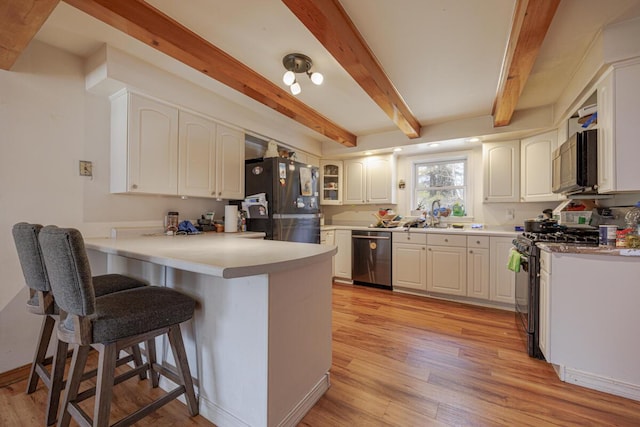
{"x": 226, "y": 255}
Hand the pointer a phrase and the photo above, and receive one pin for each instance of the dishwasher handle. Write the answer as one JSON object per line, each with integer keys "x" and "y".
{"x": 371, "y": 237}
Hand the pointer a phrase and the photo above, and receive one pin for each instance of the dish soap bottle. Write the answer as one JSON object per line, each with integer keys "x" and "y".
{"x": 458, "y": 209}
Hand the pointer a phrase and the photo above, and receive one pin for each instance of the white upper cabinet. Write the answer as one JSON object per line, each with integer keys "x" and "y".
{"x": 197, "y": 155}
{"x": 535, "y": 167}
{"x": 501, "y": 168}
{"x": 144, "y": 145}
{"x": 618, "y": 111}
{"x": 380, "y": 179}
{"x": 331, "y": 182}
{"x": 158, "y": 149}
{"x": 369, "y": 180}
{"x": 229, "y": 163}
{"x": 354, "y": 182}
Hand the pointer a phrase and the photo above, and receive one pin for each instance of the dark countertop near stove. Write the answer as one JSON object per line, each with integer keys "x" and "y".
{"x": 587, "y": 250}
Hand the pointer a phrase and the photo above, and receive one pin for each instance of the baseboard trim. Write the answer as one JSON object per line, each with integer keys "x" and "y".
{"x": 297, "y": 414}
{"x": 219, "y": 416}
{"x": 15, "y": 375}
{"x": 600, "y": 383}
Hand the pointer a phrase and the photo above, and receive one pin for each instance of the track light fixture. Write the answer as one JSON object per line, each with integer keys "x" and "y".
{"x": 297, "y": 63}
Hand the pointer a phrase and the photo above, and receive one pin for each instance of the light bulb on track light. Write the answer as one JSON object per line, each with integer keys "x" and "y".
{"x": 289, "y": 77}
{"x": 316, "y": 78}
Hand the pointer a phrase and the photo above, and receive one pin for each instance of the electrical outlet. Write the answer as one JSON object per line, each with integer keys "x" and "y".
{"x": 86, "y": 168}
{"x": 511, "y": 213}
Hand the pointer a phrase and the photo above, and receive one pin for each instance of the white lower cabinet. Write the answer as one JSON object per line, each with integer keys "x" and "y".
{"x": 478, "y": 267}
{"x": 328, "y": 237}
{"x": 342, "y": 260}
{"x": 545, "y": 302}
{"x": 447, "y": 264}
{"x": 409, "y": 261}
{"x": 502, "y": 281}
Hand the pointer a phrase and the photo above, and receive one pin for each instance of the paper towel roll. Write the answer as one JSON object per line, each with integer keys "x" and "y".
{"x": 230, "y": 219}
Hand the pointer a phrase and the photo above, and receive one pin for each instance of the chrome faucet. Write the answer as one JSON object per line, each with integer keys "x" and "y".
{"x": 435, "y": 213}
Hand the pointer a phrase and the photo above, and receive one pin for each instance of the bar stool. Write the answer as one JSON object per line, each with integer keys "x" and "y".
{"x": 108, "y": 324}
{"x": 41, "y": 302}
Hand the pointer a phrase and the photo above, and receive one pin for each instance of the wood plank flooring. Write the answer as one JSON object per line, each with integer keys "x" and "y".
{"x": 401, "y": 360}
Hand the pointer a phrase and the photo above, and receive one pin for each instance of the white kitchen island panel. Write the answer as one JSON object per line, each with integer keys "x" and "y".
{"x": 259, "y": 345}
{"x": 593, "y": 320}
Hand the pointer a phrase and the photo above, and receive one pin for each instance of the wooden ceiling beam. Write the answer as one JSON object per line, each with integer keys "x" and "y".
{"x": 330, "y": 24}
{"x": 20, "y": 20}
{"x": 152, "y": 27}
{"x": 531, "y": 22}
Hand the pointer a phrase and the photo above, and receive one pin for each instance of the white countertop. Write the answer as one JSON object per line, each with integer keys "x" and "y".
{"x": 472, "y": 231}
{"x": 226, "y": 255}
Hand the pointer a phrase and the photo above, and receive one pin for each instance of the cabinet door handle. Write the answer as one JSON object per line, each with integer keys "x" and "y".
{"x": 477, "y": 242}
{"x": 429, "y": 249}
{"x": 213, "y": 193}
{"x": 470, "y": 251}
{"x": 446, "y": 240}
{"x": 134, "y": 186}
{"x": 423, "y": 248}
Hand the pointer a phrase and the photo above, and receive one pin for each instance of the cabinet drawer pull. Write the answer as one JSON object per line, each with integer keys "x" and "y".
{"x": 446, "y": 240}
{"x": 470, "y": 251}
{"x": 477, "y": 242}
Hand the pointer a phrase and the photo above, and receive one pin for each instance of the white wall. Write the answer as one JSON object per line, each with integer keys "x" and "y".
{"x": 48, "y": 122}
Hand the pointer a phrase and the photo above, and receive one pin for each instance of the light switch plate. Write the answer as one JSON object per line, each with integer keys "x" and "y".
{"x": 86, "y": 168}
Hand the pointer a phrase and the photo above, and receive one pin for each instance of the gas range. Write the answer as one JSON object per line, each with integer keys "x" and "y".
{"x": 525, "y": 242}
{"x": 571, "y": 236}
{"x": 527, "y": 289}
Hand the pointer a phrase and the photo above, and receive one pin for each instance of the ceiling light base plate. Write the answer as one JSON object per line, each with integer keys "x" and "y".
{"x": 297, "y": 62}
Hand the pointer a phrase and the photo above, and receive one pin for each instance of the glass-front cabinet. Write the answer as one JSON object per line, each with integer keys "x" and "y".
{"x": 331, "y": 182}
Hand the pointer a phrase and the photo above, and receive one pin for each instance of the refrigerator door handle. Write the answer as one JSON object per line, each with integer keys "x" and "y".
{"x": 285, "y": 216}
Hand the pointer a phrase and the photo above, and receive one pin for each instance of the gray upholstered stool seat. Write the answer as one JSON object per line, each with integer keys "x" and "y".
{"x": 109, "y": 323}
{"x": 113, "y": 319}
{"x": 41, "y": 302}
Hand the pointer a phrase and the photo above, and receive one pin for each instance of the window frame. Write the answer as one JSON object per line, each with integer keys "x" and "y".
{"x": 446, "y": 158}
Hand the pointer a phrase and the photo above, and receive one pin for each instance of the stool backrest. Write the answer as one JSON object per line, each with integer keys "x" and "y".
{"x": 25, "y": 237}
{"x": 68, "y": 267}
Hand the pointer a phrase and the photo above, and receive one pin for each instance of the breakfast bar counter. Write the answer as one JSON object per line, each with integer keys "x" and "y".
{"x": 259, "y": 345}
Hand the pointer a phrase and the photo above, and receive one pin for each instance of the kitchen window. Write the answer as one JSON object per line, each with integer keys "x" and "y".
{"x": 444, "y": 180}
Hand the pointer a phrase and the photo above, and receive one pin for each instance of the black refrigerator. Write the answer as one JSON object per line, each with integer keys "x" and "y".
{"x": 291, "y": 190}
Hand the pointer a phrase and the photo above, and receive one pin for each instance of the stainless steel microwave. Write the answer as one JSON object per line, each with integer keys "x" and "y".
{"x": 575, "y": 164}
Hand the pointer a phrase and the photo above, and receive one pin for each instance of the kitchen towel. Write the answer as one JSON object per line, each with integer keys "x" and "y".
{"x": 230, "y": 219}
{"x": 514, "y": 261}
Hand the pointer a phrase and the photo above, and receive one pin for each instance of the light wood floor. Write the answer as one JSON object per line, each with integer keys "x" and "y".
{"x": 400, "y": 360}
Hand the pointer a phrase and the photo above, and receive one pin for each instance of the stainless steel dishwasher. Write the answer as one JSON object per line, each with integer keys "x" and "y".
{"x": 371, "y": 261}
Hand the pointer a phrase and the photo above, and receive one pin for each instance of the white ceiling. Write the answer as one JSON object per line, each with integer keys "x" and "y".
{"x": 444, "y": 56}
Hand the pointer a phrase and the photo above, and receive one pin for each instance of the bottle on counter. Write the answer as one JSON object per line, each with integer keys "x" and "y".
{"x": 171, "y": 222}
{"x": 632, "y": 218}
{"x": 242, "y": 220}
